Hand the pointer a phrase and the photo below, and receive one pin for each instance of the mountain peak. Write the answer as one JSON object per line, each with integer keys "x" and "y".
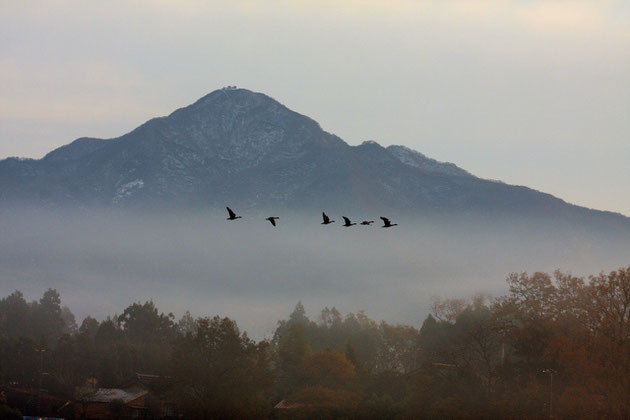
{"x": 230, "y": 93}
{"x": 232, "y": 97}
{"x": 242, "y": 147}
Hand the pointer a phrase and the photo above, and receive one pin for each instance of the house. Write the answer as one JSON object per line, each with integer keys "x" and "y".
{"x": 103, "y": 403}
{"x": 285, "y": 405}
{"x": 31, "y": 401}
{"x": 137, "y": 399}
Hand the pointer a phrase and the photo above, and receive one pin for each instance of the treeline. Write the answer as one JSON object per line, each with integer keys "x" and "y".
{"x": 478, "y": 358}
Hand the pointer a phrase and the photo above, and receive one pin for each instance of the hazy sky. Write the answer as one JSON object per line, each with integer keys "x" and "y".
{"x": 531, "y": 92}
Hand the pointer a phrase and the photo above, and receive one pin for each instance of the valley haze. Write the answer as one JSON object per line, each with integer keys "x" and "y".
{"x": 142, "y": 216}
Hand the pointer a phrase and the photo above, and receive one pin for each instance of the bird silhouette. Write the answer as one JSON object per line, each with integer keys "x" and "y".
{"x": 367, "y": 222}
{"x": 347, "y": 222}
{"x": 272, "y": 219}
{"x": 327, "y": 220}
{"x": 387, "y": 223}
{"x": 233, "y": 215}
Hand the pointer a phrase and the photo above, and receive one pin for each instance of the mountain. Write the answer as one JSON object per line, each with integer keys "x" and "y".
{"x": 244, "y": 148}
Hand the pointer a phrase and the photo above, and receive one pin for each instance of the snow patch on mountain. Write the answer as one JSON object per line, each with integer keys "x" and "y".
{"x": 126, "y": 190}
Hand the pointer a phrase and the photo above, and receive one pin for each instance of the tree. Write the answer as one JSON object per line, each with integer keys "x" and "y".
{"x": 297, "y": 317}
{"x": 398, "y": 348}
{"x": 142, "y": 323}
{"x": 293, "y": 347}
{"x": 69, "y": 322}
{"x": 187, "y": 324}
{"x": 221, "y": 373}
{"x": 107, "y": 334}
{"x": 351, "y": 355}
{"x": 326, "y": 368}
{"x": 47, "y": 318}
{"x": 89, "y": 327}
{"x": 610, "y": 296}
{"x": 15, "y": 316}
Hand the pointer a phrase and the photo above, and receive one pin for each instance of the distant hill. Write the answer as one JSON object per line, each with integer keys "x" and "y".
{"x": 244, "y": 148}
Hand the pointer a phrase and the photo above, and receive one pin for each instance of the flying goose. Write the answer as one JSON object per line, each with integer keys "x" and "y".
{"x": 347, "y": 222}
{"x": 327, "y": 220}
{"x": 272, "y": 219}
{"x": 367, "y": 222}
{"x": 233, "y": 215}
{"x": 387, "y": 223}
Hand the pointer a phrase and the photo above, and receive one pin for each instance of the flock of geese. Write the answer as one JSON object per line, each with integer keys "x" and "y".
{"x": 327, "y": 221}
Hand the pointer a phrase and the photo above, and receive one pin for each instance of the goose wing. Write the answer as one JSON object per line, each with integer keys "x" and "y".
{"x": 345, "y": 219}
{"x": 272, "y": 220}
{"x": 230, "y": 212}
{"x": 326, "y": 218}
{"x": 386, "y": 221}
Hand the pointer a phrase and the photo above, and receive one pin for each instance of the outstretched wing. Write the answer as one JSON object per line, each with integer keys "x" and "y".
{"x": 346, "y": 220}
{"x": 230, "y": 212}
{"x": 386, "y": 221}
{"x": 272, "y": 220}
{"x": 326, "y": 219}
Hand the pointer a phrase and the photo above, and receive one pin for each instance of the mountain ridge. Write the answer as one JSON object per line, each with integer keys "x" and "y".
{"x": 238, "y": 146}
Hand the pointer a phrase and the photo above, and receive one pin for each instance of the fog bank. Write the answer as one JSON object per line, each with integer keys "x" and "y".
{"x": 102, "y": 261}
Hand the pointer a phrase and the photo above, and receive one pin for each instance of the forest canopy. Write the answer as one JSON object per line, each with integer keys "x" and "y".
{"x": 554, "y": 344}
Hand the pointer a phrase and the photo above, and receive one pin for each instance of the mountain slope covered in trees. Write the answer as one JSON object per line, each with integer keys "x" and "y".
{"x": 244, "y": 148}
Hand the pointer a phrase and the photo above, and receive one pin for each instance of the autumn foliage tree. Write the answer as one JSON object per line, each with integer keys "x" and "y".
{"x": 326, "y": 386}
{"x": 481, "y": 357}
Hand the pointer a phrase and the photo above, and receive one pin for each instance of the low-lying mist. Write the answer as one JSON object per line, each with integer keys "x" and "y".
{"x": 102, "y": 261}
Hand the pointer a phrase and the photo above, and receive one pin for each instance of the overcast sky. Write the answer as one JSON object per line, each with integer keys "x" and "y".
{"x": 535, "y": 93}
